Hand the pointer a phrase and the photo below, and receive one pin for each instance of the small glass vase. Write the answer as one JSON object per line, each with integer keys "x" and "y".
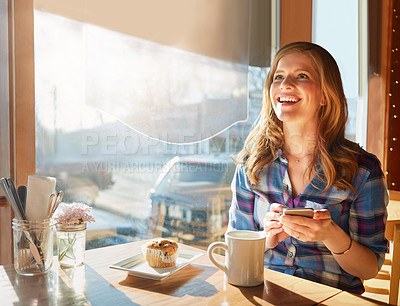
{"x": 71, "y": 242}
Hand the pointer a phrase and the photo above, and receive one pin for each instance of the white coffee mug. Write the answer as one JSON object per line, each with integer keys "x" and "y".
{"x": 244, "y": 257}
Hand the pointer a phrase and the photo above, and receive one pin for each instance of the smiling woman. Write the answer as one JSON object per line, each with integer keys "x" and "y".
{"x": 298, "y": 157}
{"x": 295, "y": 91}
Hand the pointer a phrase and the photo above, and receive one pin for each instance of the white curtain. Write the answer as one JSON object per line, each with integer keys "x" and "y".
{"x": 175, "y": 70}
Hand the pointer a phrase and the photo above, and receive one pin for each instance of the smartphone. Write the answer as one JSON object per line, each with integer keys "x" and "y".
{"x": 303, "y": 212}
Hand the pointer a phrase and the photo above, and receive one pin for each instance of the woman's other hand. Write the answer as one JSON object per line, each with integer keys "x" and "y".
{"x": 273, "y": 226}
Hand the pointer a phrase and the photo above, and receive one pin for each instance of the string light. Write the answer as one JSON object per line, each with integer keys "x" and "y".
{"x": 393, "y": 169}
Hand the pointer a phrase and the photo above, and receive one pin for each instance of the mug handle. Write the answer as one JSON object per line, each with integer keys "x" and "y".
{"x": 210, "y": 254}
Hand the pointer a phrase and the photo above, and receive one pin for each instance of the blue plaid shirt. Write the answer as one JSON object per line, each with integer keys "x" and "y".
{"x": 362, "y": 215}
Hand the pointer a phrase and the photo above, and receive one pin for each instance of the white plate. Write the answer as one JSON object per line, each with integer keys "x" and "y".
{"x": 137, "y": 265}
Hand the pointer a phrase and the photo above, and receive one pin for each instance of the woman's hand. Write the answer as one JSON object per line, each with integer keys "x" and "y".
{"x": 273, "y": 227}
{"x": 317, "y": 228}
{"x": 353, "y": 257}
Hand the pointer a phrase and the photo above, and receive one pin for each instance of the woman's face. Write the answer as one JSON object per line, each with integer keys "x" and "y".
{"x": 295, "y": 91}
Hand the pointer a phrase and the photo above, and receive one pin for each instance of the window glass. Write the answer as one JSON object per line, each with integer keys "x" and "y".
{"x": 341, "y": 38}
{"x": 138, "y": 186}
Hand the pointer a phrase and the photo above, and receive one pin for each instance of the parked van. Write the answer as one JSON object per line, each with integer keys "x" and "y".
{"x": 191, "y": 198}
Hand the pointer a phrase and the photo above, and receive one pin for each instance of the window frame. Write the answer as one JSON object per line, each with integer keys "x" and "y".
{"x": 18, "y": 109}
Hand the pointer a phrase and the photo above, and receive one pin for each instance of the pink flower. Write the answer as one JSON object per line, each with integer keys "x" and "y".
{"x": 74, "y": 213}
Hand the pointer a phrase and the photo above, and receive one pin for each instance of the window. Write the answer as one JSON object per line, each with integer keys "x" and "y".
{"x": 138, "y": 185}
{"x": 342, "y": 38}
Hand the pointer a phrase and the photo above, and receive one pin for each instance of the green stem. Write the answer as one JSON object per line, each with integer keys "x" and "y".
{"x": 69, "y": 247}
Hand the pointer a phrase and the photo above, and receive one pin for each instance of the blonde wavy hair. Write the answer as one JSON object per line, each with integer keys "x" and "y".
{"x": 336, "y": 155}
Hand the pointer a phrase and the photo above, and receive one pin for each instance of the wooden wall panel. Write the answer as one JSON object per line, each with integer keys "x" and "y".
{"x": 296, "y": 21}
{"x": 379, "y": 49}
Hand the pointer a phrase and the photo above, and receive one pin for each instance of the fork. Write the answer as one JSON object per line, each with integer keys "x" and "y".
{"x": 24, "y": 260}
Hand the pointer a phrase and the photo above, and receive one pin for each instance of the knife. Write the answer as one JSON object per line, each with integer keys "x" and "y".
{"x": 21, "y": 190}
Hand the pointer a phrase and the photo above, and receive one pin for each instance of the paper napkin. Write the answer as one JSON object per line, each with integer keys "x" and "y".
{"x": 39, "y": 190}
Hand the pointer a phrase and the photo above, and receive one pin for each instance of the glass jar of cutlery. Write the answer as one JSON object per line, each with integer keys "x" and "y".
{"x": 33, "y": 246}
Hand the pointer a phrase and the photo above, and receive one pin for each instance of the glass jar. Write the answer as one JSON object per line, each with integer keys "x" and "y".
{"x": 33, "y": 246}
{"x": 71, "y": 243}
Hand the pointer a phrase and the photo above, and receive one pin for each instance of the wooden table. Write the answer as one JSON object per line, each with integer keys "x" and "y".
{"x": 199, "y": 283}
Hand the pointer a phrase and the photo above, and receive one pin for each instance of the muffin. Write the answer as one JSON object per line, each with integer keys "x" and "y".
{"x": 161, "y": 253}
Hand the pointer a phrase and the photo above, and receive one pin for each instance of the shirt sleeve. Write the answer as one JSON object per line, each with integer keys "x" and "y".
{"x": 241, "y": 212}
{"x": 368, "y": 213}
